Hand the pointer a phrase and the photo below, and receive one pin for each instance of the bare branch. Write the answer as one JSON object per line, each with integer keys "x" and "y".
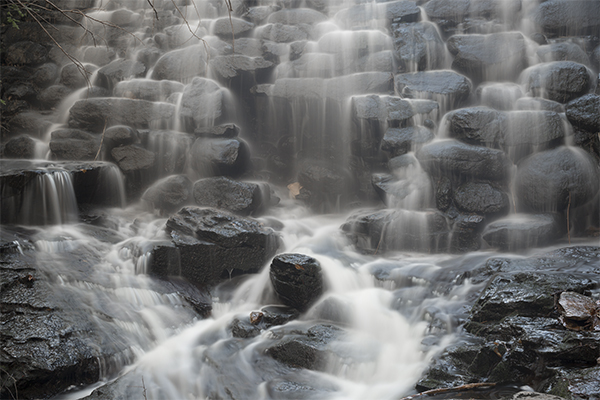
{"x": 155, "y": 12}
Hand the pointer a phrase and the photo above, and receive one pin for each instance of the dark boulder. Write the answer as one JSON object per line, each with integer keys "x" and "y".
{"x": 228, "y": 28}
{"x": 77, "y": 76}
{"x": 466, "y": 233}
{"x": 568, "y": 17}
{"x": 390, "y": 109}
{"x": 305, "y": 349}
{"x": 132, "y": 158}
{"x": 119, "y": 135}
{"x": 20, "y": 147}
{"x": 481, "y": 198}
{"x": 209, "y": 245}
{"x": 52, "y": 96}
{"x": 561, "y": 81}
{"x": 446, "y": 87}
{"x": 398, "y": 141}
{"x": 280, "y": 33}
{"x": 146, "y": 89}
{"x": 31, "y": 123}
{"x": 297, "y": 280}
{"x": 477, "y": 125}
{"x": 556, "y": 179}
{"x": 182, "y": 64}
{"x": 229, "y": 157}
{"x": 243, "y": 198}
{"x": 268, "y": 316}
{"x": 26, "y": 53}
{"x": 240, "y": 72}
{"x": 97, "y": 113}
{"x": 453, "y": 158}
{"x": 74, "y": 144}
{"x": 408, "y": 188}
{"x": 522, "y": 231}
{"x": 170, "y": 193}
{"x": 45, "y": 75}
{"x": 563, "y": 51}
{"x": 584, "y": 112}
{"x": 120, "y": 70}
{"x": 324, "y": 186}
{"x": 203, "y": 104}
{"x": 494, "y": 57}
{"x": 397, "y": 230}
{"x": 418, "y": 46}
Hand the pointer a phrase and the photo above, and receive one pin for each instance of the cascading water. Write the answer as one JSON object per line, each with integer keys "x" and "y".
{"x": 397, "y": 143}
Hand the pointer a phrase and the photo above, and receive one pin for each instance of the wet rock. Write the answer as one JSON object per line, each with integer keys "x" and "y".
{"x": 494, "y": 57}
{"x": 398, "y": 141}
{"x": 170, "y": 193}
{"x": 563, "y": 51}
{"x": 324, "y": 185}
{"x": 269, "y": 316}
{"x": 21, "y": 91}
{"x": 52, "y": 96}
{"x": 566, "y": 18}
{"x": 393, "y": 230}
{"x": 453, "y": 158}
{"x": 538, "y": 104}
{"x": 97, "y": 113}
{"x": 583, "y": 112}
{"x": 526, "y": 294}
{"x": 243, "y": 198}
{"x": 390, "y": 109}
{"x": 119, "y": 135}
{"x": 229, "y": 157}
{"x": 447, "y": 13}
{"x": 532, "y": 131}
{"x": 296, "y": 16}
{"x": 578, "y": 312}
{"x": 30, "y": 123}
{"x": 74, "y": 144}
{"x": 307, "y": 349}
{"x": 239, "y": 71}
{"x": 132, "y": 158}
{"x": 561, "y": 81}
{"x": 297, "y": 280}
{"x": 45, "y": 75}
{"x": 76, "y": 77}
{"x": 146, "y": 89}
{"x": 225, "y": 27}
{"x": 522, "y": 231}
{"x": 280, "y": 33}
{"x": 477, "y": 125}
{"x": 446, "y": 87}
{"x": 210, "y": 245}
{"x": 443, "y": 193}
{"x": 418, "y": 46}
{"x": 26, "y": 53}
{"x": 120, "y": 70}
{"x": 556, "y": 179}
{"x": 20, "y": 147}
{"x": 228, "y": 131}
{"x": 182, "y": 64}
{"x": 481, "y": 198}
{"x": 411, "y": 190}
{"x": 466, "y": 233}
{"x": 259, "y": 14}
{"x": 203, "y": 104}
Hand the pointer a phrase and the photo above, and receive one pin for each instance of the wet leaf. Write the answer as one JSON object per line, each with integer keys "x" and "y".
{"x": 255, "y": 317}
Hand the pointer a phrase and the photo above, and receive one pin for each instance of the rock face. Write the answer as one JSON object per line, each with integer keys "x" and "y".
{"x": 560, "y": 81}
{"x": 477, "y": 125}
{"x": 522, "y": 231}
{"x": 481, "y": 198}
{"x": 243, "y": 198}
{"x": 209, "y": 245}
{"x": 202, "y": 104}
{"x": 446, "y": 87}
{"x": 229, "y": 157}
{"x": 583, "y": 112}
{"x": 451, "y": 157}
{"x": 553, "y": 180}
{"x": 562, "y": 17}
{"x": 297, "y": 280}
{"x": 181, "y": 65}
{"x": 169, "y": 193}
{"x": 418, "y": 46}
